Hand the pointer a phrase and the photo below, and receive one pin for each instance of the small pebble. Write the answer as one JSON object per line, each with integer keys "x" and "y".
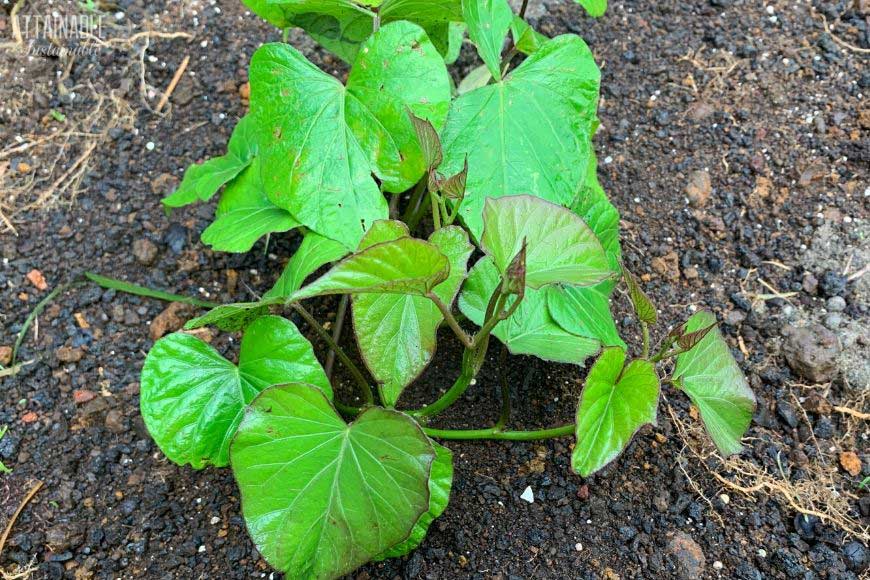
{"x": 578, "y": 546}
{"x": 717, "y": 565}
{"x": 836, "y": 304}
{"x": 762, "y": 553}
{"x": 149, "y": 146}
{"x": 725, "y": 499}
{"x": 833, "y": 321}
{"x": 528, "y": 495}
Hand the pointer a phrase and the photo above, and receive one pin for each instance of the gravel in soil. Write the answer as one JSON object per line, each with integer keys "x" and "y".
{"x": 735, "y": 143}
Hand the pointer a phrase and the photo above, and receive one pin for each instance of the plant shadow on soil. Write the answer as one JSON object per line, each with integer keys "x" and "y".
{"x": 764, "y": 101}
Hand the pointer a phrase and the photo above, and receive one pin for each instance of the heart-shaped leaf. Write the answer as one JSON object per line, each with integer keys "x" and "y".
{"x": 314, "y": 252}
{"x": 245, "y": 214}
{"x": 322, "y": 141}
{"x": 396, "y": 333}
{"x": 202, "y": 181}
{"x": 440, "y": 482}
{"x": 321, "y": 497}
{"x": 402, "y": 266}
{"x": 192, "y": 398}
{"x": 560, "y": 246}
{"x": 530, "y": 330}
{"x": 710, "y": 376}
{"x": 617, "y": 400}
{"x": 488, "y": 24}
{"x": 527, "y": 134}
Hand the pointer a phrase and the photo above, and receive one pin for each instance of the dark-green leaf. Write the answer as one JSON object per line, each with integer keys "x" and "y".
{"x": 617, "y": 400}
{"x": 321, "y": 497}
{"x": 322, "y": 141}
{"x": 527, "y": 134}
{"x": 710, "y": 376}
{"x": 192, "y": 398}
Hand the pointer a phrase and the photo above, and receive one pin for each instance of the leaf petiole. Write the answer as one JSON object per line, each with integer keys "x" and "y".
{"x": 327, "y": 338}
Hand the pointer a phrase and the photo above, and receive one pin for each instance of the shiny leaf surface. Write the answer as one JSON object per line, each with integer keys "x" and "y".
{"x": 488, "y": 24}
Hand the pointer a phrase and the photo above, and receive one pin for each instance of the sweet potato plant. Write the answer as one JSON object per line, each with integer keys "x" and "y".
{"x": 500, "y": 173}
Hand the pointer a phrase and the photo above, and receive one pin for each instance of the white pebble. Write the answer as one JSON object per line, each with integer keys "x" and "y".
{"x": 528, "y": 495}
{"x": 717, "y": 565}
{"x": 201, "y": 549}
{"x": 725, "y": 499}
{"x": 149, "y": 146}
{"x": 762, "y": 553}
{"x": 215, "y": 520}
{"x": 578, "y": 546}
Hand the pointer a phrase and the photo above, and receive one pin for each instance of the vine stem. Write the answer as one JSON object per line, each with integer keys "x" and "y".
{"x": 327, "y": 338}
{"x": 336, "y": 334}
{"x": 498, "y": 434}
{"x": 451, "y": 320}
{"x": 645, "y": 327}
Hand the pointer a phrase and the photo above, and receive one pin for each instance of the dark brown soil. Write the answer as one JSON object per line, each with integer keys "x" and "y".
{"x": 757, "y": 95}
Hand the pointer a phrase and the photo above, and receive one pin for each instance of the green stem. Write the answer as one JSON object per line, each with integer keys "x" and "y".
{"x": 327, "y": 338}
{"x": 347, "y": 410}
{"x": 336, "y": 334}
{"x": 472, "y": 360}
{"x": 414, "y": 203}
{"x": 451, "y": 320}
{"x": 436, "y": 210}
{"x": 493, "y": 433}
{"x": 645, "y": 327}
{"x": 285, "y": 35}
{"x": 505, "y": 414}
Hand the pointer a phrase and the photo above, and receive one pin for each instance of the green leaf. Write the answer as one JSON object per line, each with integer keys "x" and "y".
{"x": 430, "y": 142}
{"x": 245, "y": 214}
{"x": 314, "y": 252}
{"x": 202, "y": 181}
{"x": 384, "y": 231}
{"x": 643, "y": 306}
{"x": 527, "y": 134}
{"x": 526, "y": 39}
{"x": 488, "y": 24}
{"x": 192, "y": 398}
{"x": 323, "y": 141}
{"x": 234, "y": 317}
{"x": 584, "y": 312}
{"x": 321, "y": 497}
{"x": 530, "y": 330}
{"x": 396, "y": 333}
{"x": 561, "y": 247}
{"x": 594, "y": 8}
{"x": 276, "y": 14}
{"x": 476, "y": 78}
{"x": 403, "y": 266}
{"x": 616, "y": 401}
{"x": 440, "y": 482}
{"x": 711, "y": 377}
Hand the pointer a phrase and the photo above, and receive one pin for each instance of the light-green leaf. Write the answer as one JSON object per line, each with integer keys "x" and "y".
{"x": 440, "y": 482}
{"x": 584, "y": 312}
{"x": 488, "y": 24}
{"x": 403, "y": 266}
{"x": 531, "y": 330}
{"x": 322, "y": 141}
{"x": 526, "y": 39}
{"x": 396, "y": 333}
{"x": 202, "y": 181}
{"x": 314, "y": 252}
{"x": 594, "y": 8}
{"x": 710, "y": 376}
{"x": 234, "y": 317}
{"x": 321, "y": 497}
{"x": 527, "y": 134}
{"x": 617, "y": 400}
{"x": 560, "y": 246}
{"x": 245, "y": 214}
{"x": 192, "y": 398}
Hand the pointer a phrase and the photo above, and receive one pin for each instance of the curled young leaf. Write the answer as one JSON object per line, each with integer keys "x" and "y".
{"x": 321, "y": 497}
{"x": 515, "y": 274}
{"x": 710, "y": 376}
{"x": 530, "y": 330}
{"x": 689, "y": 340}
{"x": 643, "y": 306}
{"x": 430, "y": 142}
{"x": 617, "y": 400}
{"x": 453, "y": 187}
{"x": 192, "y": 398}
